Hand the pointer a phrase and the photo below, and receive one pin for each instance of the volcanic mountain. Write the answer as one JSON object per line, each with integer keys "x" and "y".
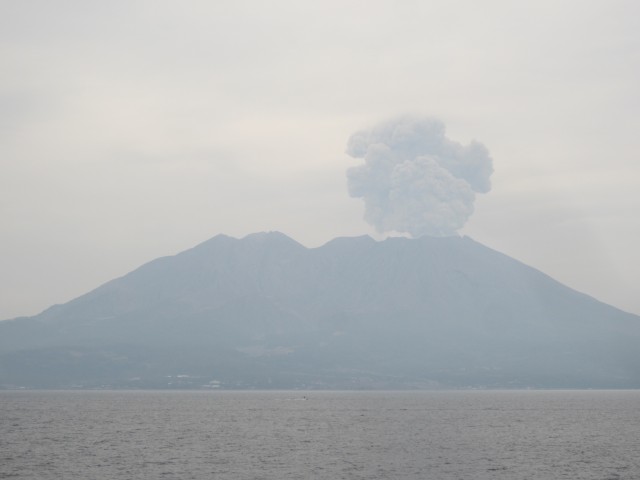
{"x": 266, "y": 312}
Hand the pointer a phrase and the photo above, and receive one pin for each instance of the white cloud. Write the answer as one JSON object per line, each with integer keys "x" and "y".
{"x": 415, "y": 179}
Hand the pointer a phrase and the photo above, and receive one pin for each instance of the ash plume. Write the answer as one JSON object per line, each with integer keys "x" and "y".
{"x": 414, "y": 179}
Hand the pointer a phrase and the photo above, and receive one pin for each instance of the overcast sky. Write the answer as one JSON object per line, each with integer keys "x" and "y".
{"x": 136, "y": 129}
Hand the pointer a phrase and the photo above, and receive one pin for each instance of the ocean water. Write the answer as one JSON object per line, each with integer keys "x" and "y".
{"x": 324, "y": 435}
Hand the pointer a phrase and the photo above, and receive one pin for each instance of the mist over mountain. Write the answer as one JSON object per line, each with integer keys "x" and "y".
{"x": 266, "y": 312}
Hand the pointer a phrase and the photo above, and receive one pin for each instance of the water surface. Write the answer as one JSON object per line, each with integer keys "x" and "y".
{"x": 325, "y": 435}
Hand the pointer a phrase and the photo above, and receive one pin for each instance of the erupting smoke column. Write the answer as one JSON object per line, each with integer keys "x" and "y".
{"x": 414, "y": 179}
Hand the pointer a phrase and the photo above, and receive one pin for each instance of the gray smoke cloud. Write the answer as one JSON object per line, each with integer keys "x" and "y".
{"x": 414, "y": 179}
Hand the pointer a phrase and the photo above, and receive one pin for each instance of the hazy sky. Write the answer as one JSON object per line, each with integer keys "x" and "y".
{"x": 136, "y": 129}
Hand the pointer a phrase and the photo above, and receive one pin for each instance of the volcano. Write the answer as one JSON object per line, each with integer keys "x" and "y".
{"x": 266, "y": 312}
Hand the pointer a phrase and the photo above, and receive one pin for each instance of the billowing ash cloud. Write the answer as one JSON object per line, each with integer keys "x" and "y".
{"x": 414, "y": 179}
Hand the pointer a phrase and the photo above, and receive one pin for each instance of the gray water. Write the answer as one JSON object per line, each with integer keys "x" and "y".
{"x": 324, "y": 435}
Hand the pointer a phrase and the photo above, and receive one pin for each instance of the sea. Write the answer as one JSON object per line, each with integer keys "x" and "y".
{"x": 221, "y": 435}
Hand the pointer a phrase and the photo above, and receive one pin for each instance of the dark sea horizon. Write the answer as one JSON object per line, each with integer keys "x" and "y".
{"x": 226, "y": 434}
